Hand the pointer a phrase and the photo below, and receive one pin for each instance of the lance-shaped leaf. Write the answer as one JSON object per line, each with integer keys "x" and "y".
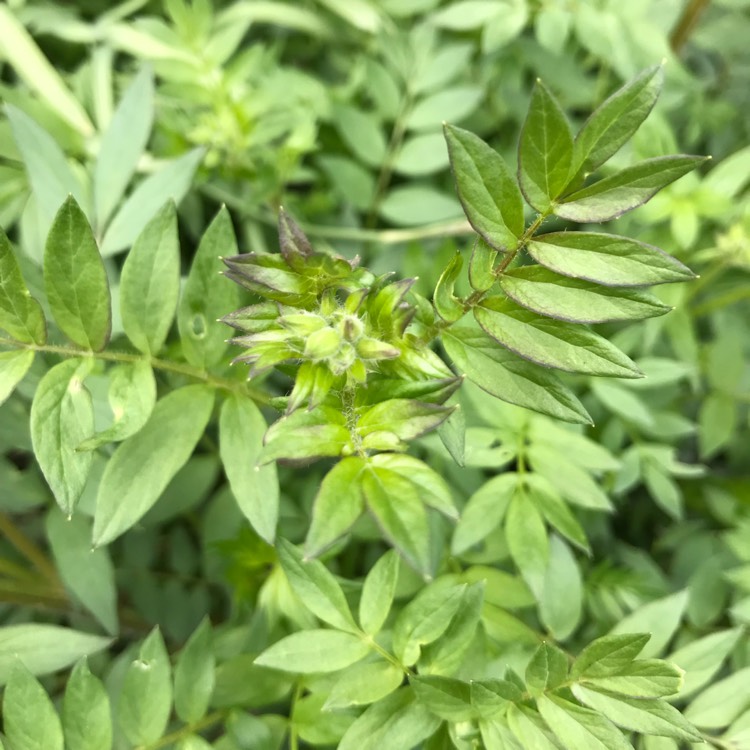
{"x": 86, "y": 713}
{"x": 615, "y": 120}
{"x": 364, "y": 683}
{"x": 61, "y": 417}
{"x": 545, "y": 150}
{"x": 13, "y": 366}
{"x": 606, "y": 259}
{"x": 256, "y": 488}
{"x": 20, "y": 314}
{"x": 194, "y": 675}
{"x": 547, "y": 669}
{"x": 150, "y": 282}
{"x": 312, "y": 651}
{"x": 396, "y": 506}
{"x": 405, "y": 419}
{"x": 447, "y": 305}
{"x": 509, "y": 377}
{"x": 307, "y": 434}
{"x": 487, "y": 191}
{"x": 481, "y": 266}
{"x": 642, "y": 678}
{"x": 608, "y": 655}
{"x": 338, "y": 504}
{"x": 378, "y": 591}
{"x": 446, "y": 697}
{"x": 552, "y": 343}
{"x": 143, "y": 465}
{"x": 75, "y": 279}
{"x": 575, "y": 300}
{"x": 527, "y": 541}
{"x": 529, "y": 730}
{"x": 294, "y": 245}
{"x": 621, "y": 192}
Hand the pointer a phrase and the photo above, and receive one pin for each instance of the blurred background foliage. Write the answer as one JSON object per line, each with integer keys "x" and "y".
{"x": 334, "y": 108}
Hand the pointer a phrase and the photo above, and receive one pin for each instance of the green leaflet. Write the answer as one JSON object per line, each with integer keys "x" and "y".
{"x": 527, "y": 541}
{"x": 338, "y": 504}
{"x": 446, "y": 697}
{"x": 561, "y": 599}
{"x": 30, "y": 721}
{"x": 143, "y": 465}
{"x": 145, "y": 701}
{"x": 552, "y": 343}
{"x": 547, "y": 669}
{"x": 606, "y": 259}
{"x": 13, "y": 368}
{"x": 61, "y": 417}
{"x": 616, "y": 120}
{"x": 86, "y": 714}
{"x": 509, "y": 377}
{"x": 481, "y": 265}
{"x": 194, "y": 675}
{"x": 363, "y": 684}
{"x": 621, "y": 192}
{"x": 576, "y": 301}
{"x": 487, "y": 191}
{"x": 314, "y": 651}
{"x": 20, "y": 314}
{"x": 378, "y": 591}
{"x": 122, "y": 145}
{"x": 256, "y": 488}
{"x": 448, "y": 306}
{"x": 150, "y": 282}
{"x": 207, "y": 297}
{"x": 545, "y": 150}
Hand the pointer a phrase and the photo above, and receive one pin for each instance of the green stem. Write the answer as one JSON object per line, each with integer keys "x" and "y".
{"x": 29, "y": 550}
{"x": 293, "y": 735}
{"x": 722, "y": 300}
{"x": 186, "y": 731}
{"x": 687, "y": 23}
{"x": 165, "y": 365}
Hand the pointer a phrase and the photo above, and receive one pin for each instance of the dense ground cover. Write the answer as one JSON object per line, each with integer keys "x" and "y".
{"x": 487, "y": 486}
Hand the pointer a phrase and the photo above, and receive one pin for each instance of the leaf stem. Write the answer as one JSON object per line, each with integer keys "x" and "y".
{"x": 29, "y": 550}
{"x": 165, "y": 365}
{"x": 168, "y": 739}
{"x": 687, "y": 23}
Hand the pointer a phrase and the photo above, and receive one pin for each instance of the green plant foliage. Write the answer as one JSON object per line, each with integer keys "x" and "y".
{"x": 336, "y": 411}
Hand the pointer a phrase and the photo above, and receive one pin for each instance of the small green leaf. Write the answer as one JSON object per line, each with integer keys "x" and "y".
{"x": 30, "y": 721}
{"x": 88, "y": 573}
{"x": 363, "y": 684}
{"x": 145, "y": 701}
{"x": 721, "y": 703}
{"x": 122, "y": 145}
{"x": 362, "y": 133}
{"x": 491, "y": 697}
{"x": 397, "y": 722}
{"x": 256, "y": 488}
{"x": 173, "y": 180}
{"x": 313, "y": 651}
{"x": 43, "y": 649}
{"x": 486, "y": 189}
{"x": 447, "y": 305}
{"x": 509, "y": 377}
{"x": 577, "y": 301}
{"x": 378, "y": 591}
{"x": 645, "y": 715}
{"x": 338, "y": 504}
{"x": 20, "y": 314}
{"x": 481, "y": 266}
{"x": 545, "y": 150}
{"x": 527, "y": 541}
{"x": 606, "y": 259}
{"x": 316, "y": 587}
{"x": 407, "y": 419}
{"x": 143, "y": 465}
{"x": 86, "y": 716}
{"x": 556, "y": 513}
{"x": 621, "y": 192}
{"x": 608, "y": 655}
{"x": 616, "y": 120}
{"x": 132, "y": 396}
{"x": 150, "y": 282}
{"x": 206, "y": 296}
{"x": 194, "y": 675}
{"x": 552, "y": 343}
{"x": 561, "y": 600}
{"x": 547, "y": 669}
{"x": 446, "y": 697}
{"x": 484, "y": 511}
{"x": 578, "y": 727}
{"x": 394, "y": 502}
{"x": 529, "y": 729}
{"x": 13, "y": 367}
{"x": 425, "y": 618}
{"x": 643, "y": 678}
{"x": 61, "y": 417}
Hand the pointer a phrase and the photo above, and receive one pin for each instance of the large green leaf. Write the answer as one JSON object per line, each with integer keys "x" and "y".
{"x": 143, "y": 465}
{"x": 545, "y": 150}
{"x": 338, "y": 504}
{"x": 561, "y": 600}
{"x": 13, "y": 366}
{"x": 509, "y": 377}
{"x": 206, "y": 296}
{"x": 575, "y": 300}
{"x": 30, "y": 721}
{"x": 621, "y": 192}
{"x": 606, "y": 259}
{"x": 86, "y": 714}
{"x": 487, "y": 191}
{"x": 122, "y": 145}
{"x": 552, "y": 343}
{"x": 75, "y": 279}
{"x": 615, "y": 120}
{"x": 150, "y": 282}
{"x": 61, "y": 417}
{"x": 20, "y": 314}
{"x": 256, "y": 488}
{"x": 312, "y": 651}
